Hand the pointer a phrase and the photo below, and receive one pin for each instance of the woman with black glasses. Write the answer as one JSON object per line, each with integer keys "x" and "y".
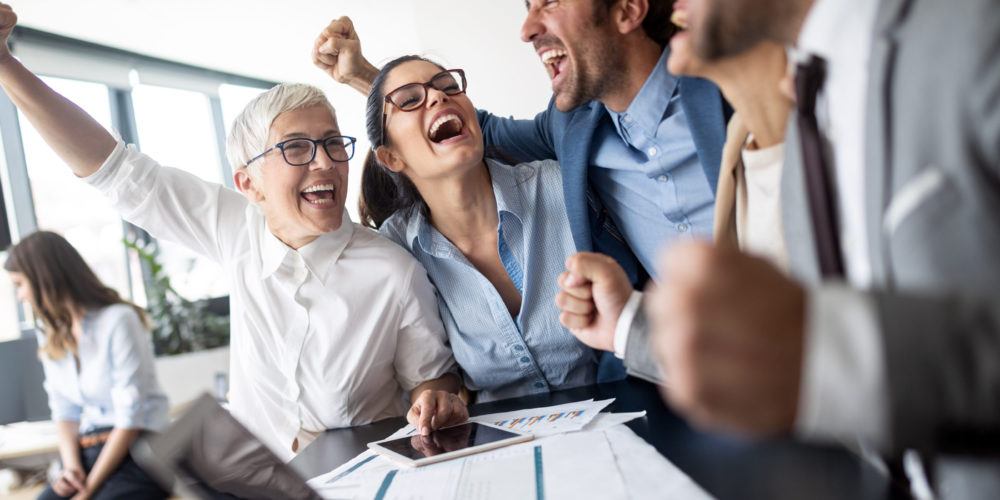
{"x": 332, "y": 325}
{"x": 493, "y": 237}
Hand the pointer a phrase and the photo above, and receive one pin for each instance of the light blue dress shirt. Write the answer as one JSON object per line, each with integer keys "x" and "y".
{"x": 116, "y": 384}
{"x": 646, "y": 170}
{"x": 501, "y": 356}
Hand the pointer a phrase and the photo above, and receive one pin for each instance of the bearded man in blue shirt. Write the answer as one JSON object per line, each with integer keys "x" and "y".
{"x": 639, "y": 147}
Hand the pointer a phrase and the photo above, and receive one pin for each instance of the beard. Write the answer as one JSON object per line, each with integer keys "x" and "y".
{"x": 598, "y": 66}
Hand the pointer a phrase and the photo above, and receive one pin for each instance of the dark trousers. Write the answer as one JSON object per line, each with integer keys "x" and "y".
{"x": 128, "y": 481}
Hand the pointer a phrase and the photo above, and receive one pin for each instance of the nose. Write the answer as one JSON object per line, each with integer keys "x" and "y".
{"x": 321, "y": 160}
{"x": 532, "y": 26}
{"x": 435, "y": 96}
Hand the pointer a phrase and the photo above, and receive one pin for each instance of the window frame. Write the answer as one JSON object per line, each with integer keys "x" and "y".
{"x": 123, "y": 69}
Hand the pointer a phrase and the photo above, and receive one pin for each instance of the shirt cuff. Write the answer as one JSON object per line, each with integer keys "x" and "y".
{"x": 624, "y": 325}
{"x": 844, "y": 390}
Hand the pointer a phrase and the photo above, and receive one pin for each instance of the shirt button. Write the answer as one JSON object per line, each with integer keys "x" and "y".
{"x": 539, "y": 385}
{"x": 525, "y": 359}
{"x": 662, "y": 178}
{"x": 628, "y": 119}
{"x": 518, "y": 348}
{"x": 682, "y": 228}
{"x": 652, "y": 151}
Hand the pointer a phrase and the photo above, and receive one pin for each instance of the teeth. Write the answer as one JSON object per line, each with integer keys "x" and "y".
{"x": 549, "y": 56}
{"x": 320, "y": 187}
{"x": 323, "y": 201}
{"x": 441, "y": 121}
{"x": 679, "y": 19}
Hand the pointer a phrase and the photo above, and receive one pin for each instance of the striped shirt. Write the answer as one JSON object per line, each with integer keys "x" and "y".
{"x": 503, "y": 356}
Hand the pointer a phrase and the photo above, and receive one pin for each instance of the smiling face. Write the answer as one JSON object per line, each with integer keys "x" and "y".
{"x": 579, "y": 47}
{"x": 441, "y": 137}
{"x": 300, "y": 203}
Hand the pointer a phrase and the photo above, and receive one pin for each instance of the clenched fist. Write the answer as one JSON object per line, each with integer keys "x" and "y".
{"x": 337, "y": 51}
{"x": 728, "y": 329}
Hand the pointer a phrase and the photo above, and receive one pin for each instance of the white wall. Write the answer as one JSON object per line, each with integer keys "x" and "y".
{"x": 273, "y": 40}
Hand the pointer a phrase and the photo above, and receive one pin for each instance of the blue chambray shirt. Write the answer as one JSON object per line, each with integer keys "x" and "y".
{"x": 116, "y": 385}
{"x": 501, "y": 356}
{"x": 645, "y": 169}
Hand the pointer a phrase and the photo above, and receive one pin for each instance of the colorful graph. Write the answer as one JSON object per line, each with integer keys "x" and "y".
{"x": 526, "y": 423}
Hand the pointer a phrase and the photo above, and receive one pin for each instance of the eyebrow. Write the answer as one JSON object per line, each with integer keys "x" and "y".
{"x": 301, "y": 135}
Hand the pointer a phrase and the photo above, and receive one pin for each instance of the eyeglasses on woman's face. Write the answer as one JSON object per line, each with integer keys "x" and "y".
{"x": 411, "y": 96}
{"x": 302, "y": 151}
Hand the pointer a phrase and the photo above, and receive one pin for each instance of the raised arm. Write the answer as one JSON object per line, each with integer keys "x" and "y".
{"x": 337, "y": 52}
{"x": 73, "y": 134}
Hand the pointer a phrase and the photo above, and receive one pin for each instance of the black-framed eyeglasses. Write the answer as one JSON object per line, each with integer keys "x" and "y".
{"x": 412, "y": 95}
{"x": 302, "y": 151}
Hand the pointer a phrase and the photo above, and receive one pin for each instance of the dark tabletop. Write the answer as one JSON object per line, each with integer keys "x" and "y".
{"x": 727, "y": 467}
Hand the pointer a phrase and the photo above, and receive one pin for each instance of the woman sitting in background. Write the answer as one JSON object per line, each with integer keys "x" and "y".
{"x": 492, "y": 237}
{"x": 97, "y": 354}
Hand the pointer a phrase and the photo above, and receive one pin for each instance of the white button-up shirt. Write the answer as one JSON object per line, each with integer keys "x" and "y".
{"x": 331, "y": 335}
{"x": 844, "y": 388}
{"x": 115, "y": 385}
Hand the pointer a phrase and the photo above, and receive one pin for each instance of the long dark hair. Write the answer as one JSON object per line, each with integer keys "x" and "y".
{"x": 384, "y": 192}
{"x": 60, "y": 280}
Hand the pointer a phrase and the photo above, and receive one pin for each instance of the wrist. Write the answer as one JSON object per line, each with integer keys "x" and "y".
{"x": 363, "y": 81}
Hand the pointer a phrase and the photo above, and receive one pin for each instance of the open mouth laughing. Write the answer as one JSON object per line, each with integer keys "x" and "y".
{"x": 553, "y": 59}
{"x": 679, "y": 17}
{"x": 319, "y": 194}
{"x": 445, "y": 126}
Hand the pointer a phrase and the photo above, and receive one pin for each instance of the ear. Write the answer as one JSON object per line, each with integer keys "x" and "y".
{"x": 247, "y": 185}
{"x": 628, "y": 15}
{"x": 390, "y": 159}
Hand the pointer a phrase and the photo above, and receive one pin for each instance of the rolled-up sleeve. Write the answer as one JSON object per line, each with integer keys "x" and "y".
{"x": 422, "y": 351}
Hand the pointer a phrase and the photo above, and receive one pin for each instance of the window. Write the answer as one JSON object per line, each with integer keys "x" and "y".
{"x": 70, "y": 207}
{"x": 234, "y": 98}
{"x": 176, "y": 128}
{"x": 177, "y": 114}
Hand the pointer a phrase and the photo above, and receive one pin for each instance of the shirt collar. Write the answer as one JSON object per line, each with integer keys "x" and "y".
{"x": 823, "y": 29}
{"x": 318, "y": 255}
{"x": 646, "y": 110}
{"x": 505, "y": 180}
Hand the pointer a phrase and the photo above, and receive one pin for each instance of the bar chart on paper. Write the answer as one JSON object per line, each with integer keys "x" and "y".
{"x": 547, "y": 421}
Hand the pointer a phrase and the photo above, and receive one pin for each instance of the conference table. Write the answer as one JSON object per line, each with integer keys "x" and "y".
{"x": 725, "y": 466}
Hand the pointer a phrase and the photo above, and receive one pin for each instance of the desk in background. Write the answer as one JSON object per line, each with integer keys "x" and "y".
{"x": 28, "y": 444}
{"x": 726, "y": 467}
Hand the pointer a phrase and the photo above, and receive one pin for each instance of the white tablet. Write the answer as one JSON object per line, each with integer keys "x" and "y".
{"x": 445, "y": 444}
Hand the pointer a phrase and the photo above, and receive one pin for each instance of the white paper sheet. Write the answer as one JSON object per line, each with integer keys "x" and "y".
{"x": 646, "y": 472}
{"x": 549, "y": 420}
{"x": 571, "y": 467}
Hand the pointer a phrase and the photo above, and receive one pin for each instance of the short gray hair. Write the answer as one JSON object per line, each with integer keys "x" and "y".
{"x": 248, "y": 137}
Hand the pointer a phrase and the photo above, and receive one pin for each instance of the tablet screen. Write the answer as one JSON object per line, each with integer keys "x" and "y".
{"x": 456, "y": 438}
